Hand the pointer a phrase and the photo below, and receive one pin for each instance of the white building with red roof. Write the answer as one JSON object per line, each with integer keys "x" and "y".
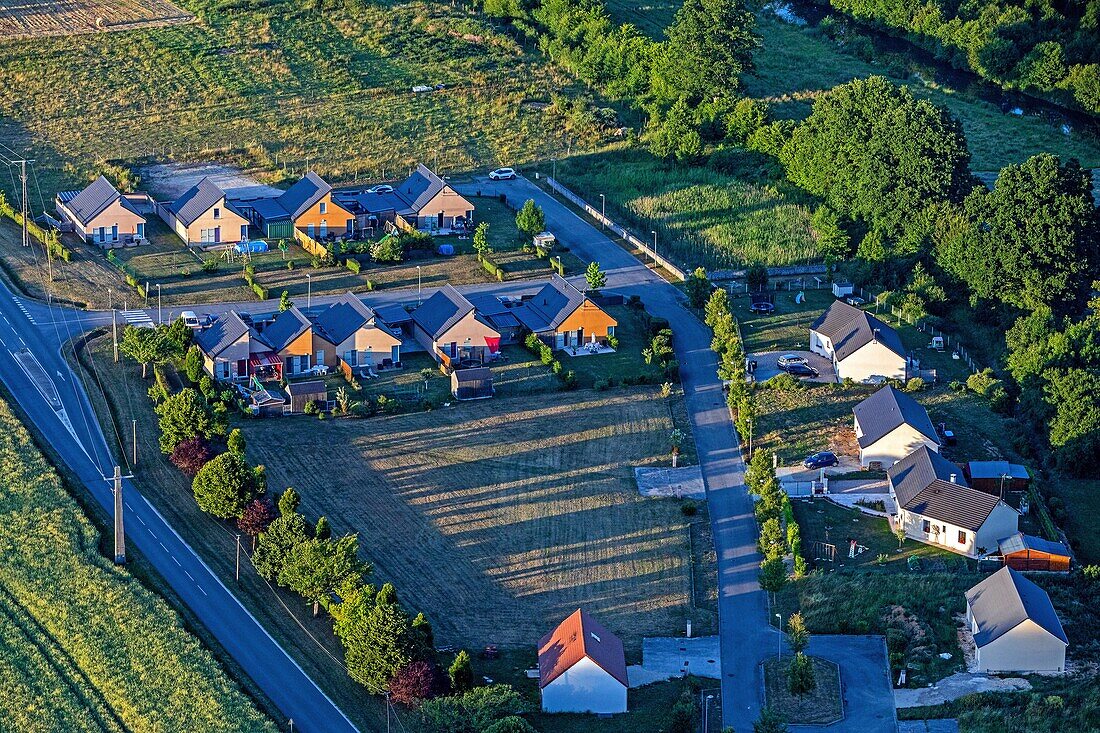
{"x": 582, "y": 668}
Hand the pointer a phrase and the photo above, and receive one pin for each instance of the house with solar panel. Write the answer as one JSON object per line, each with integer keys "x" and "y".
{"x": 889, "y": 426}
{"x": 100, "y": 215}
{"x": 582, "y": 668}
{"x": 860, "y": 346}
{"x": 202, "y": 216}
{"x": 1015, "y": 626}
{"x": 936, "y": 506}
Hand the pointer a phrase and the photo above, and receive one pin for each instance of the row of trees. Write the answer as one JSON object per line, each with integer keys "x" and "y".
{"x": 1037, "y": 45}
{"x": 726, "y": 343}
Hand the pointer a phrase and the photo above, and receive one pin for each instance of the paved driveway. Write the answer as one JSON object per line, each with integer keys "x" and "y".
{"x": 767, "y": 366}
{"x": 864, "y": 680}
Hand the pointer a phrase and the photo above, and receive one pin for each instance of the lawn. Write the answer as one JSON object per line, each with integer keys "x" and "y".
{"x": 702, "y": 216}
{"x": 820, "y": 707}
{"x": 85, "y": 646}
{"x": 497, "y": 517}
{"x": 788, "y": 327}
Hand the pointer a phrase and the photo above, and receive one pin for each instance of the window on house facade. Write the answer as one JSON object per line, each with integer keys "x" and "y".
{"x": 926, "y": 526}
{"x": 962, "y": 537}
{"x": 324, "y": 207}
{"x": 217, "y": 213}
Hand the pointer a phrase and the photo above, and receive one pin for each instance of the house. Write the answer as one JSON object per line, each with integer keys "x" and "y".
{"x": 472, "y": 384}
{"x": 423, "y": 202}
{"x": 291, "y": 336}
{"x": 307, "y": 206}
{"x": 1025, "y": 552}
{"x": 234, "y": 352}
{"x": 582, "y": 668}
{"x": 562, "y": 316}
{"x": 889, "y": 426}
{"x": 453, "y": 332}
{"x": 203, "y": 216}
{"x": 859, "y": 345}
{"x": 350, "y": 333}
{"x": 101, "y": 215}
{"x": 1015, "y": 626}
{"x": 997, "y": 477}
{"x": 302, "y": 393}
{"x": 500, "y": 313}
{"x": 935, "y": 506}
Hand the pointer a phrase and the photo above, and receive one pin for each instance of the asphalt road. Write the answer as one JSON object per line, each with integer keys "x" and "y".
{"x": 31, "y": 337}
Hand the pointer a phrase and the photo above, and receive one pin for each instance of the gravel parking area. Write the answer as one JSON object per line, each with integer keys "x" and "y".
{"x": 767, "y": 367}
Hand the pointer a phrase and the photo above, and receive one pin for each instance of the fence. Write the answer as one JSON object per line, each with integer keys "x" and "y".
{"x": 616, "y": 228}
{"x": 309, "y": 244}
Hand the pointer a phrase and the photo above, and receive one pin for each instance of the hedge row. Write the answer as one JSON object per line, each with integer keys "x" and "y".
{"x": 491, "y": 268}
{"x": 49, "y": 239}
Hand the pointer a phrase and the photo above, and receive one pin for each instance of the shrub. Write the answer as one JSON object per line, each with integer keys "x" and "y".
{"x": 982, "y": 382}
{"x": 353, "y": 265}
{"x": 689, "y": 508}
{"x": 191, "y": 455}
{"x": 783, "y": 383}
{"x": 414, "y": 682}
{"x": 224, "y": 486}
{"x": 312, "y": 408}
{"x": 916, "y": 384}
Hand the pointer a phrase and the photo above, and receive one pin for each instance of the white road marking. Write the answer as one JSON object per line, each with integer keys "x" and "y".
{"x": 138, "y": 318}
{"x": 162, "y": 546}
{"x": 141, "y": 520}
{"x": 189, "y": 576}
{"x": 150, "y": 532}
{"x": 61, "y": 375}
{"x": 200, "y": 588}
{"x": 177, "y": 562}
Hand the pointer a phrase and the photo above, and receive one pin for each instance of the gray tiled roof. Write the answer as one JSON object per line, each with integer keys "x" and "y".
{"x": 343, "y": 318}
{"x": 298, "y": 389}
{"x": 297, "y": 199}
{"x": 1005, "y": 600}
{"x": 1020, "y": 542}
{"x": 287, "y": 326}
{"x": 442, "y": 311}
{"x": 922, "y": 484}
{"x": 886, "y": 410}
{"x": 196, "y": 201}
{"x": 420, "y": 187}
{"x": 557, "y": 300}
{"x": 850, "y": 329}
{"x": 90, "y": 202}
{"x": 223, "y": 333}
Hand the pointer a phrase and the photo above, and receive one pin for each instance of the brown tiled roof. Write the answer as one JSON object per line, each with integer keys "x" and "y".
{"x": 575, "y": 638}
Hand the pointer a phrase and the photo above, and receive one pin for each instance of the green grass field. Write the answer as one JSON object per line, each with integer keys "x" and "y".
{"x": 83, "y": 645}
{"x": 702, "y": 216}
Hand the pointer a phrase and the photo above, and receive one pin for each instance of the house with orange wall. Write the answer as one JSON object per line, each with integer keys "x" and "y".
{"x": 307, "y": 206}
{"x": 563, "y": 316}
{"x": 202, "y": 216}
{"x": 292, "y": 337}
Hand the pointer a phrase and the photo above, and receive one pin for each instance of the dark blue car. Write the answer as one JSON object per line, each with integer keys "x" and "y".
{"x": 824, "y": 459}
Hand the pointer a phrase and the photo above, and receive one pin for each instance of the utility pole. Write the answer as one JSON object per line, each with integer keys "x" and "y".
{"x": 120, "y": 529}
{"x": 237, "y": 572}
{"x": 23, "y": 198}
{"x": 135, "y": 441}
{"x": 114, "y": 330}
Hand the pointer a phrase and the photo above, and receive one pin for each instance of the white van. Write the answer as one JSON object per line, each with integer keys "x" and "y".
{"x": 191, "y": 319}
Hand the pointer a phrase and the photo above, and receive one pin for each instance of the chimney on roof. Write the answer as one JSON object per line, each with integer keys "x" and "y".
{"x": 874, "y": 336}
{"x": 954, "y": 478}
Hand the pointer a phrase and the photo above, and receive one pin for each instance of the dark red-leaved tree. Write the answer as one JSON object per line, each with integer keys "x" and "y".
{"x": 256, "y": 517}
{"x": 191, "y": 455}
{"x": 414, "y": 682}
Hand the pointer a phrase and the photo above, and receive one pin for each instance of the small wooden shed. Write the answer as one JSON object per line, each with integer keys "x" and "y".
{"x": 1026, "y": 552}
{"x": 302, "y": 393}
{"x": 472, "y": 384}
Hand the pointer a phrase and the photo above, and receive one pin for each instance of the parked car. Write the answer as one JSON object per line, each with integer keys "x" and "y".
{"x": 824, "y": 459}
{"x": 191, "y": 319}
{"x": 384, "y": 188}
{"x": 854, "y": 300}
{"x": 787, "y": 359}
{"x": 762, "y": 307}
{"x": 502, "y": 174}
{"x": 800, "y": 370}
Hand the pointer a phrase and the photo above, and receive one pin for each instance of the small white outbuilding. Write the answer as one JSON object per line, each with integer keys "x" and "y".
{"x": 582, "y": 668}
{"x": 1015, "y": 626}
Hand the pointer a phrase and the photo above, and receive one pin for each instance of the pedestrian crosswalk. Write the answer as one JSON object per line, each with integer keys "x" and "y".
{"x": 20, "y": 305}
{"x": 138, "y": 318}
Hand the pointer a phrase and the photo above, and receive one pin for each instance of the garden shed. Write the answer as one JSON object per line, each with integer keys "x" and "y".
{"x": 472, "y": 384}
{"x": 302, "y": 393}
{"x": 1025, "y": 552}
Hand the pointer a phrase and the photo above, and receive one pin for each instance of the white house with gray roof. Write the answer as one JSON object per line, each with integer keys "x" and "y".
{"x": 99, "y": 214}
{"x": 889, "y": 426}
{"x": 859, "y": 345}
{"x": 937, "y": 507}
{"x": 1015, "y": 626}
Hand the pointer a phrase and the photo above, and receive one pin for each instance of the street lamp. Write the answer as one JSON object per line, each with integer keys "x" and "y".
{"x": 418, "y": 285}
{"x": 706, "y": 713}
{"x": 603, "y": 210}
{"x": 158, "y": 304}
{"x": 309, "y": 290}
{"x": 780, "y": 635}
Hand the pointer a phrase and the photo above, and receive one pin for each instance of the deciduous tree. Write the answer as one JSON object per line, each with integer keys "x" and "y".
{"x": 773, "y": 575}
{"x": 530, "y": 219}
{"x": 224, "y": 486}
{"x": 275, "y": 544}
{"x": 415, "y": 682}
{"x": 317, "y": 567}
{"x": 144, "y": 345}
{"x": 800, "y": 675}
{"x": 256, "y": 518}
{"x": 698, "y": 288}
{"x": 710, "y": 46}
{"x": 183, "y": 416}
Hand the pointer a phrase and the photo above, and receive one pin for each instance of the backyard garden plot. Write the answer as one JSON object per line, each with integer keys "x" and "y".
{"x": 37, "y": 18}
{"x": 500, "y": 517}
{"x": 69, "y": 658}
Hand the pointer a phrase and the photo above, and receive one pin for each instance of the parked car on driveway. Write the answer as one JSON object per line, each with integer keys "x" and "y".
{"x": 787, "y": 359}
{"x": 762, "y": 307}
{"x": 800, "y": 370}
{"x": 854, "y": 300}
{"x": 824, "y": 459}
{"x": 502, "y": 174}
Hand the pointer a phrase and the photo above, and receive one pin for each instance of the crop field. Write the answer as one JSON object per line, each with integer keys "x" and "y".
{"x": 278, "y": 86}
{"x": 702, "y": 216}
{"x": 83, "y": 645}
{"x": 36, "y": 18}
{"x": 500, "y": 517}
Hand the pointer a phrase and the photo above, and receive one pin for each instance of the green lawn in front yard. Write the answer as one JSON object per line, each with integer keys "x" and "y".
{"x": 797, "y": 422}
{"x": 820, "y": 707}
{"x": 627, "y": 361}
{"x": 788, "y": 327}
